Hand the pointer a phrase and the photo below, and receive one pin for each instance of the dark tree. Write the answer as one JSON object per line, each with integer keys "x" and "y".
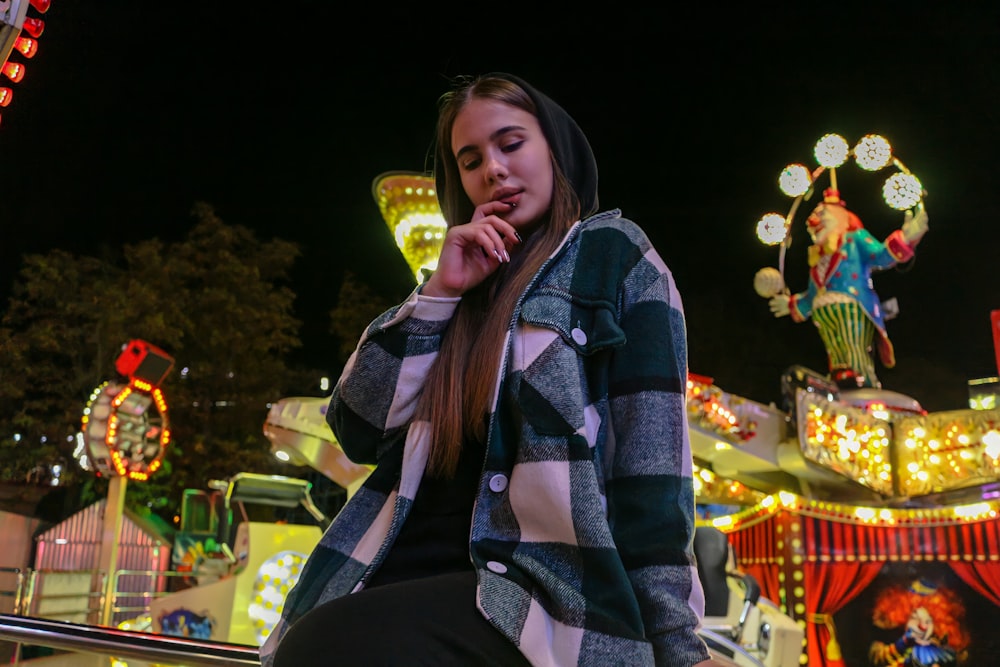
{"x": 219, "y": 302}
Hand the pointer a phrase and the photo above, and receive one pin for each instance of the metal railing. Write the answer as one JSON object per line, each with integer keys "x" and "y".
{"x": 71, "y": 594}
{"x": 124, "y": 644}
{"x": 128, "y": 601}
{"x": 60, "y": 610}
{"x": 79, "y": 595}
{"x": 16, "y": 594}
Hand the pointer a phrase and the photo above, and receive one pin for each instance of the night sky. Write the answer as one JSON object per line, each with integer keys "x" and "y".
{"x": 281, "y": 115}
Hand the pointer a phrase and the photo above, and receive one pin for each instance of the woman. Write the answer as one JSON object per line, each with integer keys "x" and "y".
{"x": 532, "y": 499}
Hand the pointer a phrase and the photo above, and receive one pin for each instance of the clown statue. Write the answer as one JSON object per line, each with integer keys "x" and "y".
{"x": 840, "y": 298}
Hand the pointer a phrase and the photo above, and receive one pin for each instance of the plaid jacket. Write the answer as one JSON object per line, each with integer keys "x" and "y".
{"x": 583, "y": 526}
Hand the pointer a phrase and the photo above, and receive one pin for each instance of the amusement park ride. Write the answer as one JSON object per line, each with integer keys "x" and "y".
{"x": 14, "y": 20}
{"x": 848, "y": 511}
{"x": 845, "y": 482}
{"x": 848, "y": 507}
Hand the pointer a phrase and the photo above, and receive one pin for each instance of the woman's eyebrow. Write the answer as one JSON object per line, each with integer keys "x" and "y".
{"x": 493, "y": 137}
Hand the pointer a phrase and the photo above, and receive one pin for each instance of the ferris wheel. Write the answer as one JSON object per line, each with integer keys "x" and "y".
{"x": 14, "y": 20}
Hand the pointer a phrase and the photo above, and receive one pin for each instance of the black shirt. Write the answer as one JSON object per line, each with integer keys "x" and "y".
{"x": 434, "y": 539}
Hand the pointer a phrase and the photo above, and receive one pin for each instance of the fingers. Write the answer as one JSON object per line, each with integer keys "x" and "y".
{"x": 497, "y": 208}
{"x": 494, "y": 235}
{"x": 779, "y": 305}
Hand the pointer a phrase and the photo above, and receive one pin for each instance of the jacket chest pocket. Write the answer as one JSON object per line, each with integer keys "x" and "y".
{"x": 562, "y": 341}
{"x": 588, "y": 328}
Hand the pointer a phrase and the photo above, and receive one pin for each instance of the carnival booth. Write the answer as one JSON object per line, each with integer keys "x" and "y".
{"x": 869, "y": 521}
{"x": 860, "y": 579}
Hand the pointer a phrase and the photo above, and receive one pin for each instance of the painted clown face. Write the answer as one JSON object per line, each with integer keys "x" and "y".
{"x": 920, "y": 625}
{"x": 826, "y": 224}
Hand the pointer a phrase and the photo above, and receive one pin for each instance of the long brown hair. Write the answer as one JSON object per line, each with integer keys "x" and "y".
{"x": 460, "y": 386}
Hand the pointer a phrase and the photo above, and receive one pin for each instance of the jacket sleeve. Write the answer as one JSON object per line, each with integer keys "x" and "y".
{"x": 377, "y": 392}
{"x": 650, "y": 490}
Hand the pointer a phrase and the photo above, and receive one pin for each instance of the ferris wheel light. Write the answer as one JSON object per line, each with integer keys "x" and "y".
{"x": 26, "y": 46}
{"x": 34, "y": 26}
{"x": 872, "y": 152}
{"x": 795, "y": 180}
{"x": 771, "y": 228}
{"x": 902, "y": 191}
{"x": 13, "y": 71}
{"x": 831, "y": 151}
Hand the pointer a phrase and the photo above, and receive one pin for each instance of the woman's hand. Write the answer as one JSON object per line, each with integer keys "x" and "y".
{"x": 473, "y": 251}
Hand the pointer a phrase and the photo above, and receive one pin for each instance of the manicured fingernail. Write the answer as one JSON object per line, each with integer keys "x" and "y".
{"x": 497, "y": 253}
{"x": 519, "y": 239}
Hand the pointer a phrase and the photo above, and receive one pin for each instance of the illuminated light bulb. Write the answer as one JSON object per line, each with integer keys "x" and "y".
{"x": 771, "y": 228}
{"x": 872, "y": 152}
{"x": 6, "y": 95}
{"x": 902, "y": 191}
{"x": 831, "y": 151}
{"x": 795, "y": 180}
{"x": 13, "y": 71}
{"x": 27, "y": 46}
{"x": 974, "y": 510}
{"x": 34, "y": 26}
{"x": 992, "y": 441}
{"x": 864, "y": 513}
{"x": 41, "y": 6}
{"x": 787, "y": 499}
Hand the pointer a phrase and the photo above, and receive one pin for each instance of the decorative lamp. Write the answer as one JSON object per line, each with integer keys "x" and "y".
{"x": 408, "y": 203}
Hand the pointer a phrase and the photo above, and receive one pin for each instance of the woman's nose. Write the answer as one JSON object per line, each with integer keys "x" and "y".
{"x": 496, "y": 168}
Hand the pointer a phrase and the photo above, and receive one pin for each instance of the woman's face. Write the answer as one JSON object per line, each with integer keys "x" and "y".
{"x": 502, "y": 155}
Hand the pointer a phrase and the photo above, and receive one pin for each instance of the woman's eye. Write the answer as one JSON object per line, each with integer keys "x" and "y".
{"x": 512, "y": 146}
{"x": 469, "y": 165}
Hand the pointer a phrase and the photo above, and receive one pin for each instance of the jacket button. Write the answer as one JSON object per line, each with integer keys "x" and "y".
{"x": 498, "y": 483}
{"x": 494, "y": 566}
{"x": 579, "y": 336}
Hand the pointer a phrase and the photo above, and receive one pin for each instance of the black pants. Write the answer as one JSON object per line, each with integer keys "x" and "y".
{"x": 427, "y": 622}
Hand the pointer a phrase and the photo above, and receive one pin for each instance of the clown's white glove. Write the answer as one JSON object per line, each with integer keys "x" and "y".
{"x": 780, "y": 305}
{"x": 914, "y": 226}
